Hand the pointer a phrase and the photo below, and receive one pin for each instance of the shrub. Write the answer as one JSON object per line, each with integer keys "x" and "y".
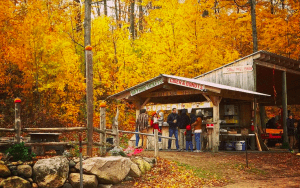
{"x": 19, "y": 152}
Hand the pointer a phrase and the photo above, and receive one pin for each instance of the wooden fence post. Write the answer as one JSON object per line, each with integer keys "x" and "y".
{"x": 156, "y": 143}
{"x": 102, "y": 127}
{"x": 18, "y": 119}
{"x": 115, "y": 129}
{"x": 89, "y": 99}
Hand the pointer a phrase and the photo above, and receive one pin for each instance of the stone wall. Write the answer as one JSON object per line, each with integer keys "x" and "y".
{"x": 63, "y": 172}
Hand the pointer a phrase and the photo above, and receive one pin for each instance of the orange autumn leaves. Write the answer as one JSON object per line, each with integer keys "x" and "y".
{"x": 42, "y": 57}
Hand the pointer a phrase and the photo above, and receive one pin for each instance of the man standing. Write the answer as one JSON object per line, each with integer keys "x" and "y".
{"x": 173, "y": 124}
{"x": 141, "y": 126}
{"x": 291, "y": 130}
{"x": 183, "y": 121}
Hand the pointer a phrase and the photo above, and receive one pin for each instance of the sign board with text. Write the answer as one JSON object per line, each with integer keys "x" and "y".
{"x": 186, "y": 83}
{"x": 173, "y": 93}
{"x": 146, "y": 87}
{"x": 247, "y": 68}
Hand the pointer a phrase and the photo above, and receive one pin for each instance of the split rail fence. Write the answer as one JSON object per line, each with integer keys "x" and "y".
{"x": 102, "y": 131}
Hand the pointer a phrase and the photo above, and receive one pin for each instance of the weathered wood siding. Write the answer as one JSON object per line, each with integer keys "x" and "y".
{"x": 244, "y": 80}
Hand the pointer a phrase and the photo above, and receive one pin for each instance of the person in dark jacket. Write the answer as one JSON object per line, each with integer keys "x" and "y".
{"x": 291, "y": 129}
{"x": 183, "y": 121}
{"x": 173, "y": 124}
{"x": 298, "y": 134}
{"x": 141, "y": 126}
{"x": 193, "y": 118}
{"x": 188, "y": 138}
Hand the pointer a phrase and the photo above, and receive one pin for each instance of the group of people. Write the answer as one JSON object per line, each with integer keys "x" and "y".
{"x": 182, "y": 124}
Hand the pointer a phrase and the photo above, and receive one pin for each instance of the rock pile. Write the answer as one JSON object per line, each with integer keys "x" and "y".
{"x": 62, "y": 172}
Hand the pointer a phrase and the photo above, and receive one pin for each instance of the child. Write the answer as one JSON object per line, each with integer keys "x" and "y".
{"x": 154, "y": 124}
{"x": 188, "y": 137}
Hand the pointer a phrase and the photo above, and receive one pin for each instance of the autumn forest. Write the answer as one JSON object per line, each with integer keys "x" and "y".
{"x": 42, "y": 49}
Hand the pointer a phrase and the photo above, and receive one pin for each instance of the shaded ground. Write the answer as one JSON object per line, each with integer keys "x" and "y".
{"x": 223, "y": 169}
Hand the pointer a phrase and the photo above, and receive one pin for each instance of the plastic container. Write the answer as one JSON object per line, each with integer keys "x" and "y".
{"x": 230, "y": 146}
{"x": 240, "y": 146}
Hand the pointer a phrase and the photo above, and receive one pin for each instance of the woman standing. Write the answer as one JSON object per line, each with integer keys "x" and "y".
{"x": 198, "y": 130}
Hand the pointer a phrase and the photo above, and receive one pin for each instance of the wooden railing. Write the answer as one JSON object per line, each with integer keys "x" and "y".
{"x": 102, "y": 133}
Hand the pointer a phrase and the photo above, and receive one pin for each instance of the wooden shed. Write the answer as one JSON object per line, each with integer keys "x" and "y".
{"x": 262, "y": 72}
{"x": 169, "y": 89}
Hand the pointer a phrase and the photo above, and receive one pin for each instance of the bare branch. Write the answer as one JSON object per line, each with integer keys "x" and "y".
{"x": 75, "y": 41}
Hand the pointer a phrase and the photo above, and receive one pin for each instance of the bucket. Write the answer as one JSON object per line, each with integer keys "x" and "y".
{"x": 229, "y": 146}
{"x": 240, "y": 146}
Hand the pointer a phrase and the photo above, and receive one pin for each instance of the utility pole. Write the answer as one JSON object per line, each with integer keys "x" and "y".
{"x": 89, "y": 75}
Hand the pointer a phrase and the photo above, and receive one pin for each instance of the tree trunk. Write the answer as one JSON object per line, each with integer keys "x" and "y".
{"x": 105, "y": 7}
{"x": 254, "y": 30}
{"x": 132, "y": 18}
{"x": 119, "y": 10}
{"x": 98, "y": 9}
{"x": 116, "y": 11}
{"x": 140, "y": 16}
{"x": 78, "y": 16}
{"x": 272, "y": 6}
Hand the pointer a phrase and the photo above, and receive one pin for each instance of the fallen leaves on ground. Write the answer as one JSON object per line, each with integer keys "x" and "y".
{"x": 168, "y": 174}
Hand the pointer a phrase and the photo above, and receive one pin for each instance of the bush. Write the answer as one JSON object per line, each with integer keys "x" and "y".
{"x": 19, "y": 152}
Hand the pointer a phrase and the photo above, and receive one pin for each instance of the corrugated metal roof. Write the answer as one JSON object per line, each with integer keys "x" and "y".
{"x": 219, "y": 86}
{"x": 261, "y": 51}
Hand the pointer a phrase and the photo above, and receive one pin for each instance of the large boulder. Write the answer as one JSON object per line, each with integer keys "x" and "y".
{"x": 143, "y": 165}
{"x": 89, "y": 181}
{"x": 134, "y": 170}
{"x": 4, "y": 171}
{"x": 52, "y": 172}
{"x": 109, "y": 170}
{"x": 15, "y": 182}
{"x": 24, "y": 170}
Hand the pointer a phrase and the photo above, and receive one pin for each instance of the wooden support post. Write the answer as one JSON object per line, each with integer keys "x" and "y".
{"x": 156, "y": 143}
{"x": 102, "y": 127}
{"x": 18, "y": 119}
{"x": 252, "y": 139}
{"x": 89, "y": 99}
{"x": 284, "y": 107}
{"x": 216, "y": 115}
{"x": 262, "y": 112}
{"x": 115, "y": 129}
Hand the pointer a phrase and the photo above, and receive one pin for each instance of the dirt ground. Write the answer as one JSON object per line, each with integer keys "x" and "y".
{"x": 265, "y": 169}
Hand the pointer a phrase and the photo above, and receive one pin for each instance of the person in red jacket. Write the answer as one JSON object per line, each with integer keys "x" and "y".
{"x": 188, "y": 138}
{"x": 154, "y": 124}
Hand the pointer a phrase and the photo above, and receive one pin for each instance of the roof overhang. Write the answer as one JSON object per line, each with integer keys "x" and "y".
{"x": 163, "y": 80}
{"x": 269, "y": 59}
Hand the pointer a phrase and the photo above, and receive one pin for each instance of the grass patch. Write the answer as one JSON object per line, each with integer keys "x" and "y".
{"x": 201, "y": 173}
{"x": 250, "y": 169}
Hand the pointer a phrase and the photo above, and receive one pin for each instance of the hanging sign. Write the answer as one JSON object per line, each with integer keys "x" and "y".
{"x": 146, "y": 87}
{"x": 179, "y": 106}
{"x": 246, "y": 68}
{"x": 173, "y": 93}
{"x": 186, "y": 83}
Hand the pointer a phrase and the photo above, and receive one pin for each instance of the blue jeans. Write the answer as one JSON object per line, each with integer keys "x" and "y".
{"x": 198, "y": 141}
{"x": 171, "y": 132}
{"x": 189, "y": 144}
{"x": 137, "y": 138}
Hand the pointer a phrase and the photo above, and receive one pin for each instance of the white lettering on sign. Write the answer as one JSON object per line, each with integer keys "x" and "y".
{"x": 146, "y": 87}
{"x": 186, "y": 83}
{"x": 246, "y": 68}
